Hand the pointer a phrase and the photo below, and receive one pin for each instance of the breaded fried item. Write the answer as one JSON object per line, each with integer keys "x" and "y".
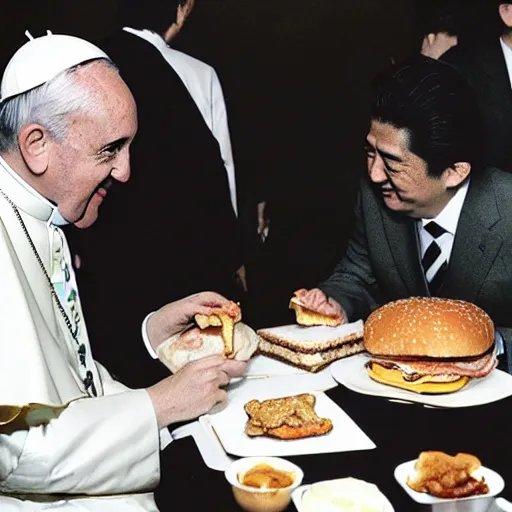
{"x": 291, "y": 417}
{"x": 308, "y": 317}
{"x": 225, "y": 317}
{"x": 446, "y": 476}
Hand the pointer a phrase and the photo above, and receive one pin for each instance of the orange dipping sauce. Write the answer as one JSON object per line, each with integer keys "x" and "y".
{"x": 264, "y": 476}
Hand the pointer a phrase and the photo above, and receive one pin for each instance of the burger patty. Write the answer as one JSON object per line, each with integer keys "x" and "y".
{"x": 415, "y": 370}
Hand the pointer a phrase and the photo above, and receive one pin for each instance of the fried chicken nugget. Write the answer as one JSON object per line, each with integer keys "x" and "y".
{"x": 446, "y": 476}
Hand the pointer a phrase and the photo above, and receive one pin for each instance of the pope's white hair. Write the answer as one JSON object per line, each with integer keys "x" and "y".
{"x": 48, "y": 105}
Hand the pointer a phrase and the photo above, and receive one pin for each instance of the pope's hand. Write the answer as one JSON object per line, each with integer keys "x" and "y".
{"x": 316, "y": 300}
{"x": 174, "y": 317}
{"x": 193, "y": 390}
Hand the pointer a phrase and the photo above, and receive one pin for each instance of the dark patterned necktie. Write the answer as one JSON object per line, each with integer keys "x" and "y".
{"x": 430, "y": 257}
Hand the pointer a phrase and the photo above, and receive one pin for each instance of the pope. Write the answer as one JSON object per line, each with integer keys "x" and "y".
{"x": 67, "y": 120}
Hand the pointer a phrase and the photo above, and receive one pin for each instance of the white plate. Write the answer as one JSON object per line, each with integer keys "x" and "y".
{"x": 501, "y": 505}
{"x": 298, "y": 493}
{"x": 493, "y": 480}
{"x": 263, "y": 366}
{"x": 229, "y": 426}
{"x": 351, "y": 372}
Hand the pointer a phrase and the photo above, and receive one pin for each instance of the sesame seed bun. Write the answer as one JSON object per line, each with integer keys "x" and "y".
{"x": 429, "y": 327}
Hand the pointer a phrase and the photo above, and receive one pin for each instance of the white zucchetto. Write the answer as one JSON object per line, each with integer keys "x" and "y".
{"x": 43, "y": 58}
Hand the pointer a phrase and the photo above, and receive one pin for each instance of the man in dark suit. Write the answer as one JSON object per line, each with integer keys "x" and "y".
{"x": 487, "y": 66}
{"x": 171, "y": 231}
{"x": 430, "y": 219}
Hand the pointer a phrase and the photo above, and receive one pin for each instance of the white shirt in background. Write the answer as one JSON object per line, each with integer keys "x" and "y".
{"x": 204, "y": 87}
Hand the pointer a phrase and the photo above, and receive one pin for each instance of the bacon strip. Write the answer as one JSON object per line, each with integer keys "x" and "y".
{"x": 478, "y": 368}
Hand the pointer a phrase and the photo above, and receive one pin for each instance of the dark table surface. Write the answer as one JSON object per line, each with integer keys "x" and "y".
{"x": 400, "y": 431}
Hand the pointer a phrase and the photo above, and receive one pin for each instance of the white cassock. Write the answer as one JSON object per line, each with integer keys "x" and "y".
{"x": 204, "y": 87}
{"x": 56, "y": 436}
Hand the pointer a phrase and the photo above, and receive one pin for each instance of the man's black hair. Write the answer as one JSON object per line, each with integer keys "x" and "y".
{"x": 445, "y": 18}
{"x": 437, "y": 108}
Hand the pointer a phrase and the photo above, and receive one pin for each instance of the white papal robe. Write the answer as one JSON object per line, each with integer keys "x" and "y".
{"x": 61, "y": 447}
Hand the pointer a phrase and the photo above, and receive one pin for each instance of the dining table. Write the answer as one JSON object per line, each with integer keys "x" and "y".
{"x": 400, "y": 431}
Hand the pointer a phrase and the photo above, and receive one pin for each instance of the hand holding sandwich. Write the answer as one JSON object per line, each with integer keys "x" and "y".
{"x": 313, "y": 307}
{"x": 176, "y": 316}
{"x": 194, "y": 389}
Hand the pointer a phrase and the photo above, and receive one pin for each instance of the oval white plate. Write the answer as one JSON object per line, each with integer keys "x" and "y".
{"x": 298, "y": 493}
{"x": 493, "y": 480}
{"x": 351, "y": 373}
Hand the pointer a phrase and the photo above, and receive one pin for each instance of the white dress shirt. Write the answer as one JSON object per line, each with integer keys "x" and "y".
{"x": 448, "y": 219}
{"x": 204, "y": 87}
{"x": 507, "y": 53}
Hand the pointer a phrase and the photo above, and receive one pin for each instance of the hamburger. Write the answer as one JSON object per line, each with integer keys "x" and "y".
{"x": 429, "y": 345}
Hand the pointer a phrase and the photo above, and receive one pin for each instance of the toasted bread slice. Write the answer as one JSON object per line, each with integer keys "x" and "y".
{"x": 225, "y": 317}
{"x": 309, "y": 317}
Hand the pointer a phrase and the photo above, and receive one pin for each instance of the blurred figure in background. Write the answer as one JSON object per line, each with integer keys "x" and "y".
{"x": 173, "y": 230}
{"x": 440, "y": 26}
{"x": 487, "y": 65}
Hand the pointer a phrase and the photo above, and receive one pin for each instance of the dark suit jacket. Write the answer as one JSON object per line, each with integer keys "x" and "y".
{"x": 170, "y": 231}
{"x": 382, "y": 262}
{"x": 485, "y": 69}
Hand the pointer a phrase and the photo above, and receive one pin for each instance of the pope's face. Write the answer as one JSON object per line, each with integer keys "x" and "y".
{"x": 96, "y": 149}
{"x": 401, "y": 175}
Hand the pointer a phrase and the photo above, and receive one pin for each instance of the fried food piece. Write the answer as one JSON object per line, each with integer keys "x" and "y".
{"x": 309, "y": 430}
{"x": 310, "y": 316}
{"x": 225, "y": 317}
{"x": 445, "y": 476}
{"x": 291, "y": 417}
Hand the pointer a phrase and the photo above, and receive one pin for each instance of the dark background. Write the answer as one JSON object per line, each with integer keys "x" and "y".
{"x": 296, "y": 79}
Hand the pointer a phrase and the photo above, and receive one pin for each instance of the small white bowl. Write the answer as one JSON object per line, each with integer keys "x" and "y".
{"x": 480, "y": 503}
{"x": 254, "y": 499}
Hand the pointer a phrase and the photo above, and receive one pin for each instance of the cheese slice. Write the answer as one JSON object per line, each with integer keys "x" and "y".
{"x": 426, "y": 384}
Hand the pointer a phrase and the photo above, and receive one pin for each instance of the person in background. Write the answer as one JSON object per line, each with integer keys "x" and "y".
{"x": 71, "y": 436}
{"x": 173, "y": 231}
{"x": 486, "y": 63}
{"x": 204, "y": 86}
{"x": 431, "y": 220}
{"x": 440, "y": 27}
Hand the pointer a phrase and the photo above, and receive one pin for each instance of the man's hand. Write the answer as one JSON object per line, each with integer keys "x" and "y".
{"x": 182, "y": 13}
{"x": 174, "y": 317}
{"x": 316, "y": 300}
{"x": 193, "y": 390}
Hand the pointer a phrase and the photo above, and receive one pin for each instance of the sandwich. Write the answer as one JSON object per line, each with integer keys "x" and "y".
{"x": 310, "y": 315}
{"x": 291, "y": 417}
{"x": 225, "y": 317}
{"x": 311, "y": 348}
{"x": 429, "y": 345}
{"x": 446, "y": 476}
{"x": 195, "y": 343}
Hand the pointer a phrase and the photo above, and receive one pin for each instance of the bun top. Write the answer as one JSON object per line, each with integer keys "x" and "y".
{"x": 429, "y": 327}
